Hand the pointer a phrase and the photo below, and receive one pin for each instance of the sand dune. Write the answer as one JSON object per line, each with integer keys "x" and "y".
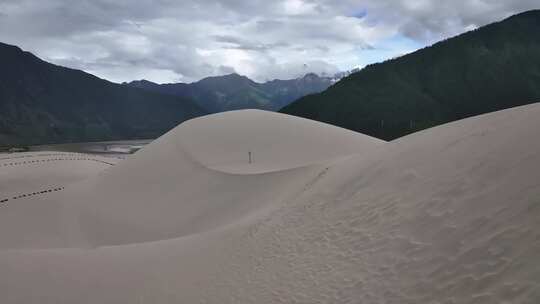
{"x": 275, "y": 141}
{"x": 26, "y": 172}
{"x": 320, "y": 215}
{"x": 26, "y": 178}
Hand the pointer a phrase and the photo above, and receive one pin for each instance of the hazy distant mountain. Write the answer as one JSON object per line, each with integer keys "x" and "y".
{"x": 492, "y": 68}
{"x": 41, "y": 102}
{"x": 233, "y": 92}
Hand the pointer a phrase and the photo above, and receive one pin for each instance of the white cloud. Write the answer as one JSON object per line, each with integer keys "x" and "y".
{"x": 298, "y": 7}
{"x": 168, "y": 41}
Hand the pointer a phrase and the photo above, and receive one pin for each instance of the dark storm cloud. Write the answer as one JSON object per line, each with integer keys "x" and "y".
{"x": 169, "y": 40}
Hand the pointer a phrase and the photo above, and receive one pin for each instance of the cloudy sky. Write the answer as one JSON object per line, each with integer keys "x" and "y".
{"x": 186, "y": 40}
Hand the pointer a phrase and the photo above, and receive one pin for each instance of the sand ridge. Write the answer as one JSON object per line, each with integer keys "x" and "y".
{"x": 446, "y": 215}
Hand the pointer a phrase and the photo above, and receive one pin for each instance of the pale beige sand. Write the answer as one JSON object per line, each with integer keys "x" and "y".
{"x": 167, "y": 189}
{"x": 28, "y": 172}
{"x": 448, "y": 215}
{"x": 276, "y": 141}
{"x": 26, "y": 178}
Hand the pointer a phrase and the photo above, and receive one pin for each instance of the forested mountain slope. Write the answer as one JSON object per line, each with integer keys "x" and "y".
{"x": 43, "y": 103}
{"x": 491, "y": 68}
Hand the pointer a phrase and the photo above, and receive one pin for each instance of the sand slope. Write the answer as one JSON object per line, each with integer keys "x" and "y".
{"x": 27, "y": 178}
{"x": 172, "y": 187}
{"x": 447, "y": 215}
{"x": 27, "y": 172}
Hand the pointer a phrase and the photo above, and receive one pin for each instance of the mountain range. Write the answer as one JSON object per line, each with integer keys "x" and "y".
{"x": 42, "y": 103}
{"x": 488, "y": 69}
{"x": 45, "y": 103}
{"x": 235, "y": 92}
{"x": 492, "y": 68}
